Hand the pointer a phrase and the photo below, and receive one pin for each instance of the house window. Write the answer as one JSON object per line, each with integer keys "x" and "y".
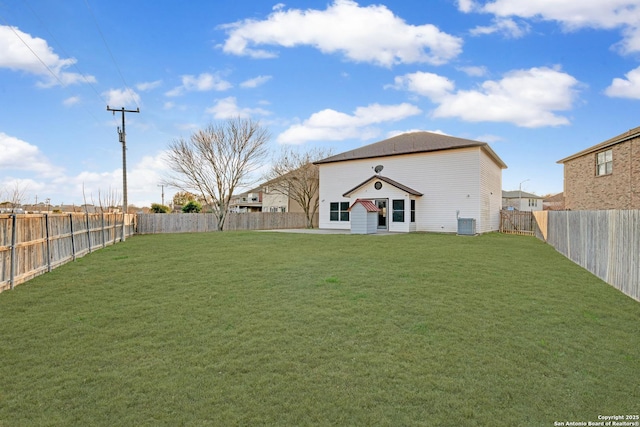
{"x": 533, "y": 203}
{"x": 604, "y": 163}
{"x": 338, "y": 211}
{"x": 413, "y": 211}
{"x": 398, "y": 210}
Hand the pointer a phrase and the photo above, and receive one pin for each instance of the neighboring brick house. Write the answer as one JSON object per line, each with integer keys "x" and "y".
{"x": 554, "y": 202}
{"x": 605, "y": 176}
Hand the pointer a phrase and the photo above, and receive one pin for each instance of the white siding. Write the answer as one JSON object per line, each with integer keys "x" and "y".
{"x": 274, "y": 200}
{"x": 491, "y": 195}
{"x": 449, "y": 180}
{"x": 362, "y": 222}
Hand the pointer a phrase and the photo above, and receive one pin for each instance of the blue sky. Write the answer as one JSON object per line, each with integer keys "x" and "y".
{"x": 538, "y": 80}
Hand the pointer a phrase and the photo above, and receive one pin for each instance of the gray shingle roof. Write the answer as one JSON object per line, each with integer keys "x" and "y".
{"x": 409, "y": 143}
{"x": 517, "y": 194}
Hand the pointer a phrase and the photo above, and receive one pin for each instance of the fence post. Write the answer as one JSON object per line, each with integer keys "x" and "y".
{"x": 122, "y": 239}
{"x": 73, "y": 238}
{"x": 88, "y": 231}
{"x": 104, "y": 244}
{"x": 46, "y": 224}
{"x": 13, "y": 250}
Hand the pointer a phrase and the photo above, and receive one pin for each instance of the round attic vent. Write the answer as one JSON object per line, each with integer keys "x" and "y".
{"x": 377, "y": 185}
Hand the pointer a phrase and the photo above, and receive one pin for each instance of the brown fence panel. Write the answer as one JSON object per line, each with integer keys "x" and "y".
{"x": 517, "y": 222}
{"x": 32, "y": 244}
{"x": 200, "y": 223}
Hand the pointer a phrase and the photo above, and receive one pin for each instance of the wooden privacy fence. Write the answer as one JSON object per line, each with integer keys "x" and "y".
{"x": 517, "y": 222}
{"x": 199, "y": 222}
{"x": 32, "y": 244}
{"x": 606, "y": 243}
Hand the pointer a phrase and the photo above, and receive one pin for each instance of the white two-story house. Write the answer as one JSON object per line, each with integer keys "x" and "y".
{"x": 420, "y": 181}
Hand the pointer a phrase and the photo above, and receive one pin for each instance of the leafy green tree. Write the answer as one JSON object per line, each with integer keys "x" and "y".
{"x": 181, "y": 198}
{"x": 158, "y": 208}
{"x": 192, "y": 207}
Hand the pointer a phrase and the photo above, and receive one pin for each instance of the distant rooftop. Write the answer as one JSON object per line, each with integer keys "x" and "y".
{"x": 517, "y": 194}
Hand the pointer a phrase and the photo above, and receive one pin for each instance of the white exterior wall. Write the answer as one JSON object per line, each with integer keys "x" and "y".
{"x": 490, "y": 195}
{"x": 274, "y": 200}
{"x": 450, "y": 181}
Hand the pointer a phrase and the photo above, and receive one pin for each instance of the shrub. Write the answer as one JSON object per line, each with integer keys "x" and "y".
{"x": 192, "y": 207}
{"x": 158, "y": 208}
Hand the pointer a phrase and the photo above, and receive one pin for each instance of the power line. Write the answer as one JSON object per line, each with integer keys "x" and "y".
{"x": 75, "y": 65}
{"x": 65, "y": 54}
{"x": 113, "y": 59}
{"x": 44, "y": 64}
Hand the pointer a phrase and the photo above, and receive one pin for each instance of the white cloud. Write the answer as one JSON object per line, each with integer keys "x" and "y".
{"x": 71, "y": 101}
{"x": 22, "y": 52}
{"x": 333, "y": 125}
{"x": 21, "y": 156}
{"x": 145, "y": 86}
{"x": 526, "y": 98}
{"x": 505, "y": 26}
{"x": 121, "y": 98}
{"x": 227, "y": 108}
{"x": 571, "y": 14}
{"x": 255, "y": 82}
{"x": 430, "y": 85}
{"x": 626, "y": 88}
{"x": 201, "y": 83}
{"x": 474, "y": 71}
{"x": 362, "y": 34}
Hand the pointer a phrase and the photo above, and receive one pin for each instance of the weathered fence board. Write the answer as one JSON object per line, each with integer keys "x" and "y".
{"x": 199, "y": 222}
{"x": 34, "y": 244}
{"x": 606, "y": 243}
{"x": 517, "y": 222}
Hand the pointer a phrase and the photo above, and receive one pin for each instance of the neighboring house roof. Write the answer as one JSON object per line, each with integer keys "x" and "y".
{"x": 555, "y": 198}
{"x": 410, "y": 143}
{"x": 388, "y": 181}
{"x": 630, "y": 134}
{"x": 368, "y": 205}
{"x": 518, "y": 194}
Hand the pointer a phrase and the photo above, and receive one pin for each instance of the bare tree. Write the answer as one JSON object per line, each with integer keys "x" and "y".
{"x": 215, "y": 161}
{"x": 294, "y": 175}
{"x": 15, "y": 195}
{"x": 108, "y": 201}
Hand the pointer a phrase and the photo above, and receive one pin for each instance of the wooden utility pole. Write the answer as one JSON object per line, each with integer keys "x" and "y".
{"x": 122, "y": 136}
{"x": 162, "y": 185}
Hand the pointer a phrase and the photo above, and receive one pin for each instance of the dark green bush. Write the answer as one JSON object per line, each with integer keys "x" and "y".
{"x": 158, "y": 208}
{"x": 192, "y": 207}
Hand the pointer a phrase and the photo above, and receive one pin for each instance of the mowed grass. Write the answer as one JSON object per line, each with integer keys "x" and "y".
{"x": 263, "y": 328}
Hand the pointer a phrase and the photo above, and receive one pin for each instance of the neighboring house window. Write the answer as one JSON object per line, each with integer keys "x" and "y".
{"x": 338, "y": 211}
{"x": 398, "y": 210}
{"x": 533, "y": 203}
{"x": 413, "y": 211}
{"x": 604, "y": 163}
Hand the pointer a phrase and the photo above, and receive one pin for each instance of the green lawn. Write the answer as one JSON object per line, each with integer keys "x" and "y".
{"x": 262, "y": 328}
